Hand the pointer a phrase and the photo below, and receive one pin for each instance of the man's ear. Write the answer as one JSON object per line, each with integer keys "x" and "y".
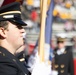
{"x": 2, "y": 32}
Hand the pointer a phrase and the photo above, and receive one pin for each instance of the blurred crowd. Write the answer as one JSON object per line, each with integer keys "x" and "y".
{"x": 64, "y": 13}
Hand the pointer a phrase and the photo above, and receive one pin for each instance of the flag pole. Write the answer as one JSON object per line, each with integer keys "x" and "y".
{"x": 42, "y": 30}
{"x": 41, "y": 6}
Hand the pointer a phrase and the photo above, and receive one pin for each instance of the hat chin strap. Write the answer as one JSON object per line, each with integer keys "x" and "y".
{"x": 10, "y": 12}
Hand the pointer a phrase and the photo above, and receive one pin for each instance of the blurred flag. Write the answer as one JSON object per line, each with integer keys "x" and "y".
{"x": 48, "y": 32}
{"x": 48, "y": 35}
{"x": 5, "y": 2}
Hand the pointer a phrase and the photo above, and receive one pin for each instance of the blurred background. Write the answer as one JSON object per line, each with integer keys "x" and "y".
{"x": 64, "y": 19}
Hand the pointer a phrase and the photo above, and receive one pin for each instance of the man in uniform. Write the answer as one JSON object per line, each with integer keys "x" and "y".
{"x": 11, "y": 39}
{"x": 63, "y": 57}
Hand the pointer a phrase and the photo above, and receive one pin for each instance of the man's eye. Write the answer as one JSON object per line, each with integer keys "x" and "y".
{"x": 19, "y": 27}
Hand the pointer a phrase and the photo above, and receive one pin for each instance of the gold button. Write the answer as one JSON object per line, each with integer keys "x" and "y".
{"x": 56, "y": 66}
{"x": 62, "y": 71}
{"x": 0, "y": 52}
{"x": 62, "y": 66}
{"x": 65, "y": 52}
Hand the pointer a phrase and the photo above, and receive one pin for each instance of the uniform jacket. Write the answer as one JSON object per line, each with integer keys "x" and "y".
{"x": 10, "y": 65}
{"x": 64, "y": 62}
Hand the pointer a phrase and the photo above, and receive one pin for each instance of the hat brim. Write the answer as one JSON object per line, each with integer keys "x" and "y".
{"x": 18, "y": 22}
{"x": 21, "y": 22}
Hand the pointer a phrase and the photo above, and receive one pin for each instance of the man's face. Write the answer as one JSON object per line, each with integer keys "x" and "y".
{"x": 14, "y": 35}
{"x": 61, "y": 44}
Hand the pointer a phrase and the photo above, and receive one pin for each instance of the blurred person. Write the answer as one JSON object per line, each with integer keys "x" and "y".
{"x": 34, "y": 18}
{"x": 73, "y": 40}
{"x": 58, "y": 11}
{"x": 52, "y": 43}
{"x": 68, "y": 3}
{"x": 63, "y": 60}
{"x": 74, "y": 3}
{"x": 60, "y": 2}
{"x": 29, "y": 4}
{"x": 34, "y": 14}
{"x": 69, "y": 25}
{"x": 11, "y": 39}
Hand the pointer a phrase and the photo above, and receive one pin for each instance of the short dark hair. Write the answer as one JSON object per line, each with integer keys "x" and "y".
{"x": 4, "y": 24}
{"x": 60, "y": 42}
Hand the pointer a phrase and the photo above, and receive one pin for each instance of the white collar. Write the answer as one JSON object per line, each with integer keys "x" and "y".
{"x": 60, "y": 51}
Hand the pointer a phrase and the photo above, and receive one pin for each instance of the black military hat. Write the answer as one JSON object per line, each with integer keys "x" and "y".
{"x": 11, "y": 12}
